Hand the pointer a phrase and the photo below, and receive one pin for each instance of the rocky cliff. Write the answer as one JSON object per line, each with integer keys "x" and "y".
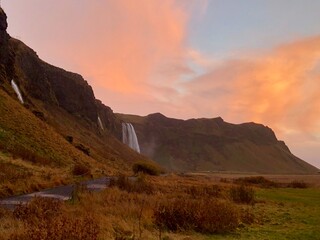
{"x": 214, "y": 145}
{"x": 6, "y": 53}
{"x": 61, "y": 123}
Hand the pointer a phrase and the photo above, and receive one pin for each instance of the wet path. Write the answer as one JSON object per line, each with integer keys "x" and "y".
{"x": 64, "y": 192}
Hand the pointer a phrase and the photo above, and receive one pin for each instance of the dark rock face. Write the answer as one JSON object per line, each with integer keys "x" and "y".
{"x": 107, "y": 117}
{"x": 6, "y": 53}
{"x": 214, "y": 145}
{"x": 3, "y": 20}
{"x": 52, "y": 85}
{"x": 33, "y": 78}
{"x": 72, "y": 92}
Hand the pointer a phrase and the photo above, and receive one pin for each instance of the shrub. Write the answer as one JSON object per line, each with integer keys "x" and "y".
{"x": 201, "y": 215}
{"x": 39, "y": 115}
{"x": 83, "y": 149}
{"x": 146, "y": 168}
{"x": 242, "y": 194}
{"x": 69, "y": 139}
{"x": 80, "y": 169}
{"x": 45, "y": 219}
{"x": 298, "y": 184}
{"x": 257, "y": 180}
{"x": 138, "y": 185}
{"x": 204, "y": 191}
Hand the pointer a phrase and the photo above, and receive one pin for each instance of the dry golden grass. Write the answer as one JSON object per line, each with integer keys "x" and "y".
{"x": 312, "y": 180}
{"x": 18, "y": 176}
{"x": 34, "y": 153}
{"x": 125, "y": 211}
{"x": 176, "y": 207}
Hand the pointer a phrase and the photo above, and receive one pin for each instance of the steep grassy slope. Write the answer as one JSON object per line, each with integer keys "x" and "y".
{"x": 56, "y": 128}
{"x": 212, "y": 144}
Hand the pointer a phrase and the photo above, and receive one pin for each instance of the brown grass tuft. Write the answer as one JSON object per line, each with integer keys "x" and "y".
{"x": 298, "y": 184}
{"x": 138, "y": 185}
{"x": 201, "y": 215}
{"x": 80, "y": 169}
{"x": 257, "y": 181}
{"x": 242, "y": 194}
{"x": 146, "y": 168}
{"x": 46, "y": 219}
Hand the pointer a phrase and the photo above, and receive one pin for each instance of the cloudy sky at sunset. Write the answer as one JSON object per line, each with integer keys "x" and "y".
{"x": 243, "y": 60}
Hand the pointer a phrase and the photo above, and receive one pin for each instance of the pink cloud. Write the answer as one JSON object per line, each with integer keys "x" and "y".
{"x": 279, "y": 88}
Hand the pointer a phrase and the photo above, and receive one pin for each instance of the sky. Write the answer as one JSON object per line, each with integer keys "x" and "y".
{"x": 243, "y": 60}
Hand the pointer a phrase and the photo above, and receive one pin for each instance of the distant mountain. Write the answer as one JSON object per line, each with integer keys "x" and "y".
{"x": 214, "y": 145}
{"x": 61, "y": 123}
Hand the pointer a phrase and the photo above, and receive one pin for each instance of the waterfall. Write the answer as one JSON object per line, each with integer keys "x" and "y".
{"x": 100, "y": 123}
{"x": 16, "y": 89}
{"x": 129, "y": 136}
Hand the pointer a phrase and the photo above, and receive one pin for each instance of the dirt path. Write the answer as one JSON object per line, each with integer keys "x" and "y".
{"x": 64, "y": 193}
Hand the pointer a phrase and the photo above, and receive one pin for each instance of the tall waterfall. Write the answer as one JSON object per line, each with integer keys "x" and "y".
{"x": 16, "y": 89}
{"x": 100, "y": 123}
{"x": 129, "y": 136}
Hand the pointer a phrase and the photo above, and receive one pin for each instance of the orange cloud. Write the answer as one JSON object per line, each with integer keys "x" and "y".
{"x": 280, "y": 88}
{"x": 134, "y": 50}
{"x": 130, "y": 43}
{"x": 124, "y": 48}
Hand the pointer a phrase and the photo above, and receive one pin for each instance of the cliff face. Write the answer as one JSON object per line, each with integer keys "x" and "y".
{"x": 6, "y": 53}
{"x": 44, "y": 82}
{"x": 72, "y": 92}
{"x": 214, "y": 145}
{"x": 58, "y": 121}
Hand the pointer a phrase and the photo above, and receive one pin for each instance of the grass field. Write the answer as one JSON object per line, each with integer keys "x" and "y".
{"x": 284, "y": 214}
{"x": 131, "y": 211}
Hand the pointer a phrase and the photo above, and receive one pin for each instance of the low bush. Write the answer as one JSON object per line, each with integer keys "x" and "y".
{"x": 38, "y": 209}
{"x": 204, "y": 191}
{"x": 45, "y": 219}
{"x": 146, "y": 168}
{"x": 298, "y": 184}
{"x": 80, "y": 169}
{"x": 138, "y": 185}
{"x": 242, "y": 194}
{"x": 83, "y": 149}
{"x": 69, "y": 139}
{"x": 200, "y": 215}
{"x": 257, "y": 180}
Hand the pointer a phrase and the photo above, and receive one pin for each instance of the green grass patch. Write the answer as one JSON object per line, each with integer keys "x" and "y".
{"x": 283, "y": 213}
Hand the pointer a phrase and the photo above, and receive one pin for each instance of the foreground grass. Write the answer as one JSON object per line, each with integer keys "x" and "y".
{"x": 129, "y": 211}
{"x": 283, "y": 213}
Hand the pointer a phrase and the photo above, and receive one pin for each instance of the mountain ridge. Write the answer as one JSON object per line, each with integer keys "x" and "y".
{"x": 212, "y": 144}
